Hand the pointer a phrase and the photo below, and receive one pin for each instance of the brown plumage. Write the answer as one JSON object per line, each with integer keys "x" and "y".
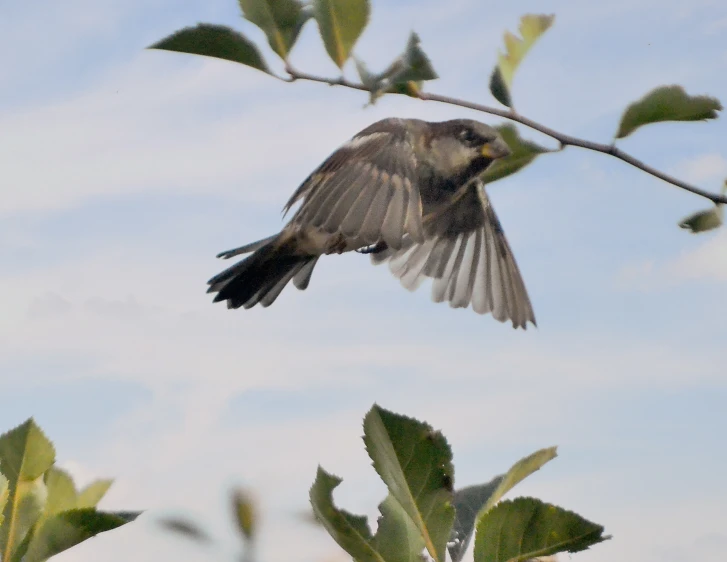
{"x": 408, "y": 192}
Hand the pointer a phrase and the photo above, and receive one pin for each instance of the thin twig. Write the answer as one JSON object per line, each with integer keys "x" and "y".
{"x": 563, "y": 139}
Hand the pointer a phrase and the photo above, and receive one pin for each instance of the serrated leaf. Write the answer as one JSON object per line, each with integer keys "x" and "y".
{"x": 67, "y": 529}
{"x": 215, "y": 41}
{"x": 523, "y": 153}
{"x": 474, "y": 501}
{"x": 341, "y": 23}
{"x": 280, "y": 20}
{"x": 350, "y": 531}
{"x": 243, "y": 510}
{"x": 525, "y": 528}
{"x": 667, "y": 103}
{"x": 415, "y": 463}
{"x": 185, "y": 527}
{"x": 93, "y": 493}
{"x": 25, "y": 455}
{"x": 397, "y": 537}
{"x": 532, "y": 26}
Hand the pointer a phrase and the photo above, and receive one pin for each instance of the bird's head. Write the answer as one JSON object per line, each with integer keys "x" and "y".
{"x": 463, "y": 147}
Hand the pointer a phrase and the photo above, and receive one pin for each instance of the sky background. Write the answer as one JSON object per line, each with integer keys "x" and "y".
{"x": 125, "y": 171}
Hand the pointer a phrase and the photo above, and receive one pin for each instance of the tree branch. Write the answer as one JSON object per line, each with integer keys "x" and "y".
{"x": 563, "y": 139}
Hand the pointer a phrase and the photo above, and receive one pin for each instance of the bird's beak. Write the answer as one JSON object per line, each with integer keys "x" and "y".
{"x": 496, "y": 149}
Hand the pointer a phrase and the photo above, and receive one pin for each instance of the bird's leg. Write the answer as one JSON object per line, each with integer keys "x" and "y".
{"x": 374, "y": 248}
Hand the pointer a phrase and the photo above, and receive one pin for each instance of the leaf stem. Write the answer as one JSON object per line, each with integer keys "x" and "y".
{"x": 562, "y": 138}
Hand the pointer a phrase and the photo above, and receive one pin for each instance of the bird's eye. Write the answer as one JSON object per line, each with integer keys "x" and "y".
{"x": 468, "y": 136}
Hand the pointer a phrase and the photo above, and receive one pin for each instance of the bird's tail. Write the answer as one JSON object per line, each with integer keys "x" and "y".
{"x": 262, "y": 276}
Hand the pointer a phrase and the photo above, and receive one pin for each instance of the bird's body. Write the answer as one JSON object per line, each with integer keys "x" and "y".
{"x": 408, "y": 192}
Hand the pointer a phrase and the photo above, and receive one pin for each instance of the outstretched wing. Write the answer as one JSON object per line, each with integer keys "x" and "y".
{"x": 366, "y": 190}
{"x": 468, "y": 257}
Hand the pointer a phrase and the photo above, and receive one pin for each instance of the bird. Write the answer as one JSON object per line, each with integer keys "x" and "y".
{"x": 409, "y": 193}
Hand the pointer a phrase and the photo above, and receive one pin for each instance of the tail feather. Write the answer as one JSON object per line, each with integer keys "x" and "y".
{"x": 262, "y": 276}
{"x": 247, "y": 248}
{"x": 302, "y": 278}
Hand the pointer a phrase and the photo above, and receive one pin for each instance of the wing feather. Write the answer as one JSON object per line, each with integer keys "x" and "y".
{"x": 468, "y": 258}
{"x": 367, "y": 189}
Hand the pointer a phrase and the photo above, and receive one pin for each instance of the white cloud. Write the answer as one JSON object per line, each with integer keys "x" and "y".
{"x": 110, "y": 302}
{"x": 142, "y": 137}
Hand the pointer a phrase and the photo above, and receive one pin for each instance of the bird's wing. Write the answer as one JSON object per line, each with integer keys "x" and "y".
{"x": 468, "y": 257}
{"x": 366, "y": 189}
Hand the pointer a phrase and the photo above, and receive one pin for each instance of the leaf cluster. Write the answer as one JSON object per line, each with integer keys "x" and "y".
{"x": 41, "y": 511}
{"x": 424, "y": 513}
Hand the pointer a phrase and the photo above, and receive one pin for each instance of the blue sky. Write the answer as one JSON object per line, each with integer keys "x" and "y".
{"x": 127, "y": 170}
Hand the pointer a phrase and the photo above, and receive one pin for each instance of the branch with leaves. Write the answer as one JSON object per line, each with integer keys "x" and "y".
{"x": 341, "y": 23}
{"x": 41, "y": 512}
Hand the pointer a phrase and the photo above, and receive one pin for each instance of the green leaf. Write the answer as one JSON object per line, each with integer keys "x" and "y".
{"x": 215, "y": 41}
{"x": 93, "y": 493}
{"x": 4, "y": 491}
{"x": 415, "y": 463}
{"x": 243, "y": 510}
{"x": 531, "y": 28}
{"x": 523, "y": 153}
{"x": 467, "y": 504}
{"x": 518, "y": 472}
{"x": 67, "y": 529}
{"x": 350, "y": 531}
{"x": 403, "y": 76}
{"x": 188, "y": 529}
{"x": 372, "y": 82}
{"x": 22, "y": 547}
{"x": 413, "y": 65}
{"x": 62, "y": 494}
{"x": 341, "y": 23}
{"x": 704, "y": 221}
{"x": 378, "y": 88}
{"x": 25, "y": 455}
{"x": 397, "y": 538}
{"x": 127, "y": 516}
{"x": 667, "y": 103}
{"x": 474, "y": 501}
{"x": 280, "y": 20}
{"x": 525, "y": 528}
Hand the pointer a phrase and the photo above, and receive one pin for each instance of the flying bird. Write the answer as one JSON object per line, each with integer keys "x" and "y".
{"x": 407, "y": 192}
